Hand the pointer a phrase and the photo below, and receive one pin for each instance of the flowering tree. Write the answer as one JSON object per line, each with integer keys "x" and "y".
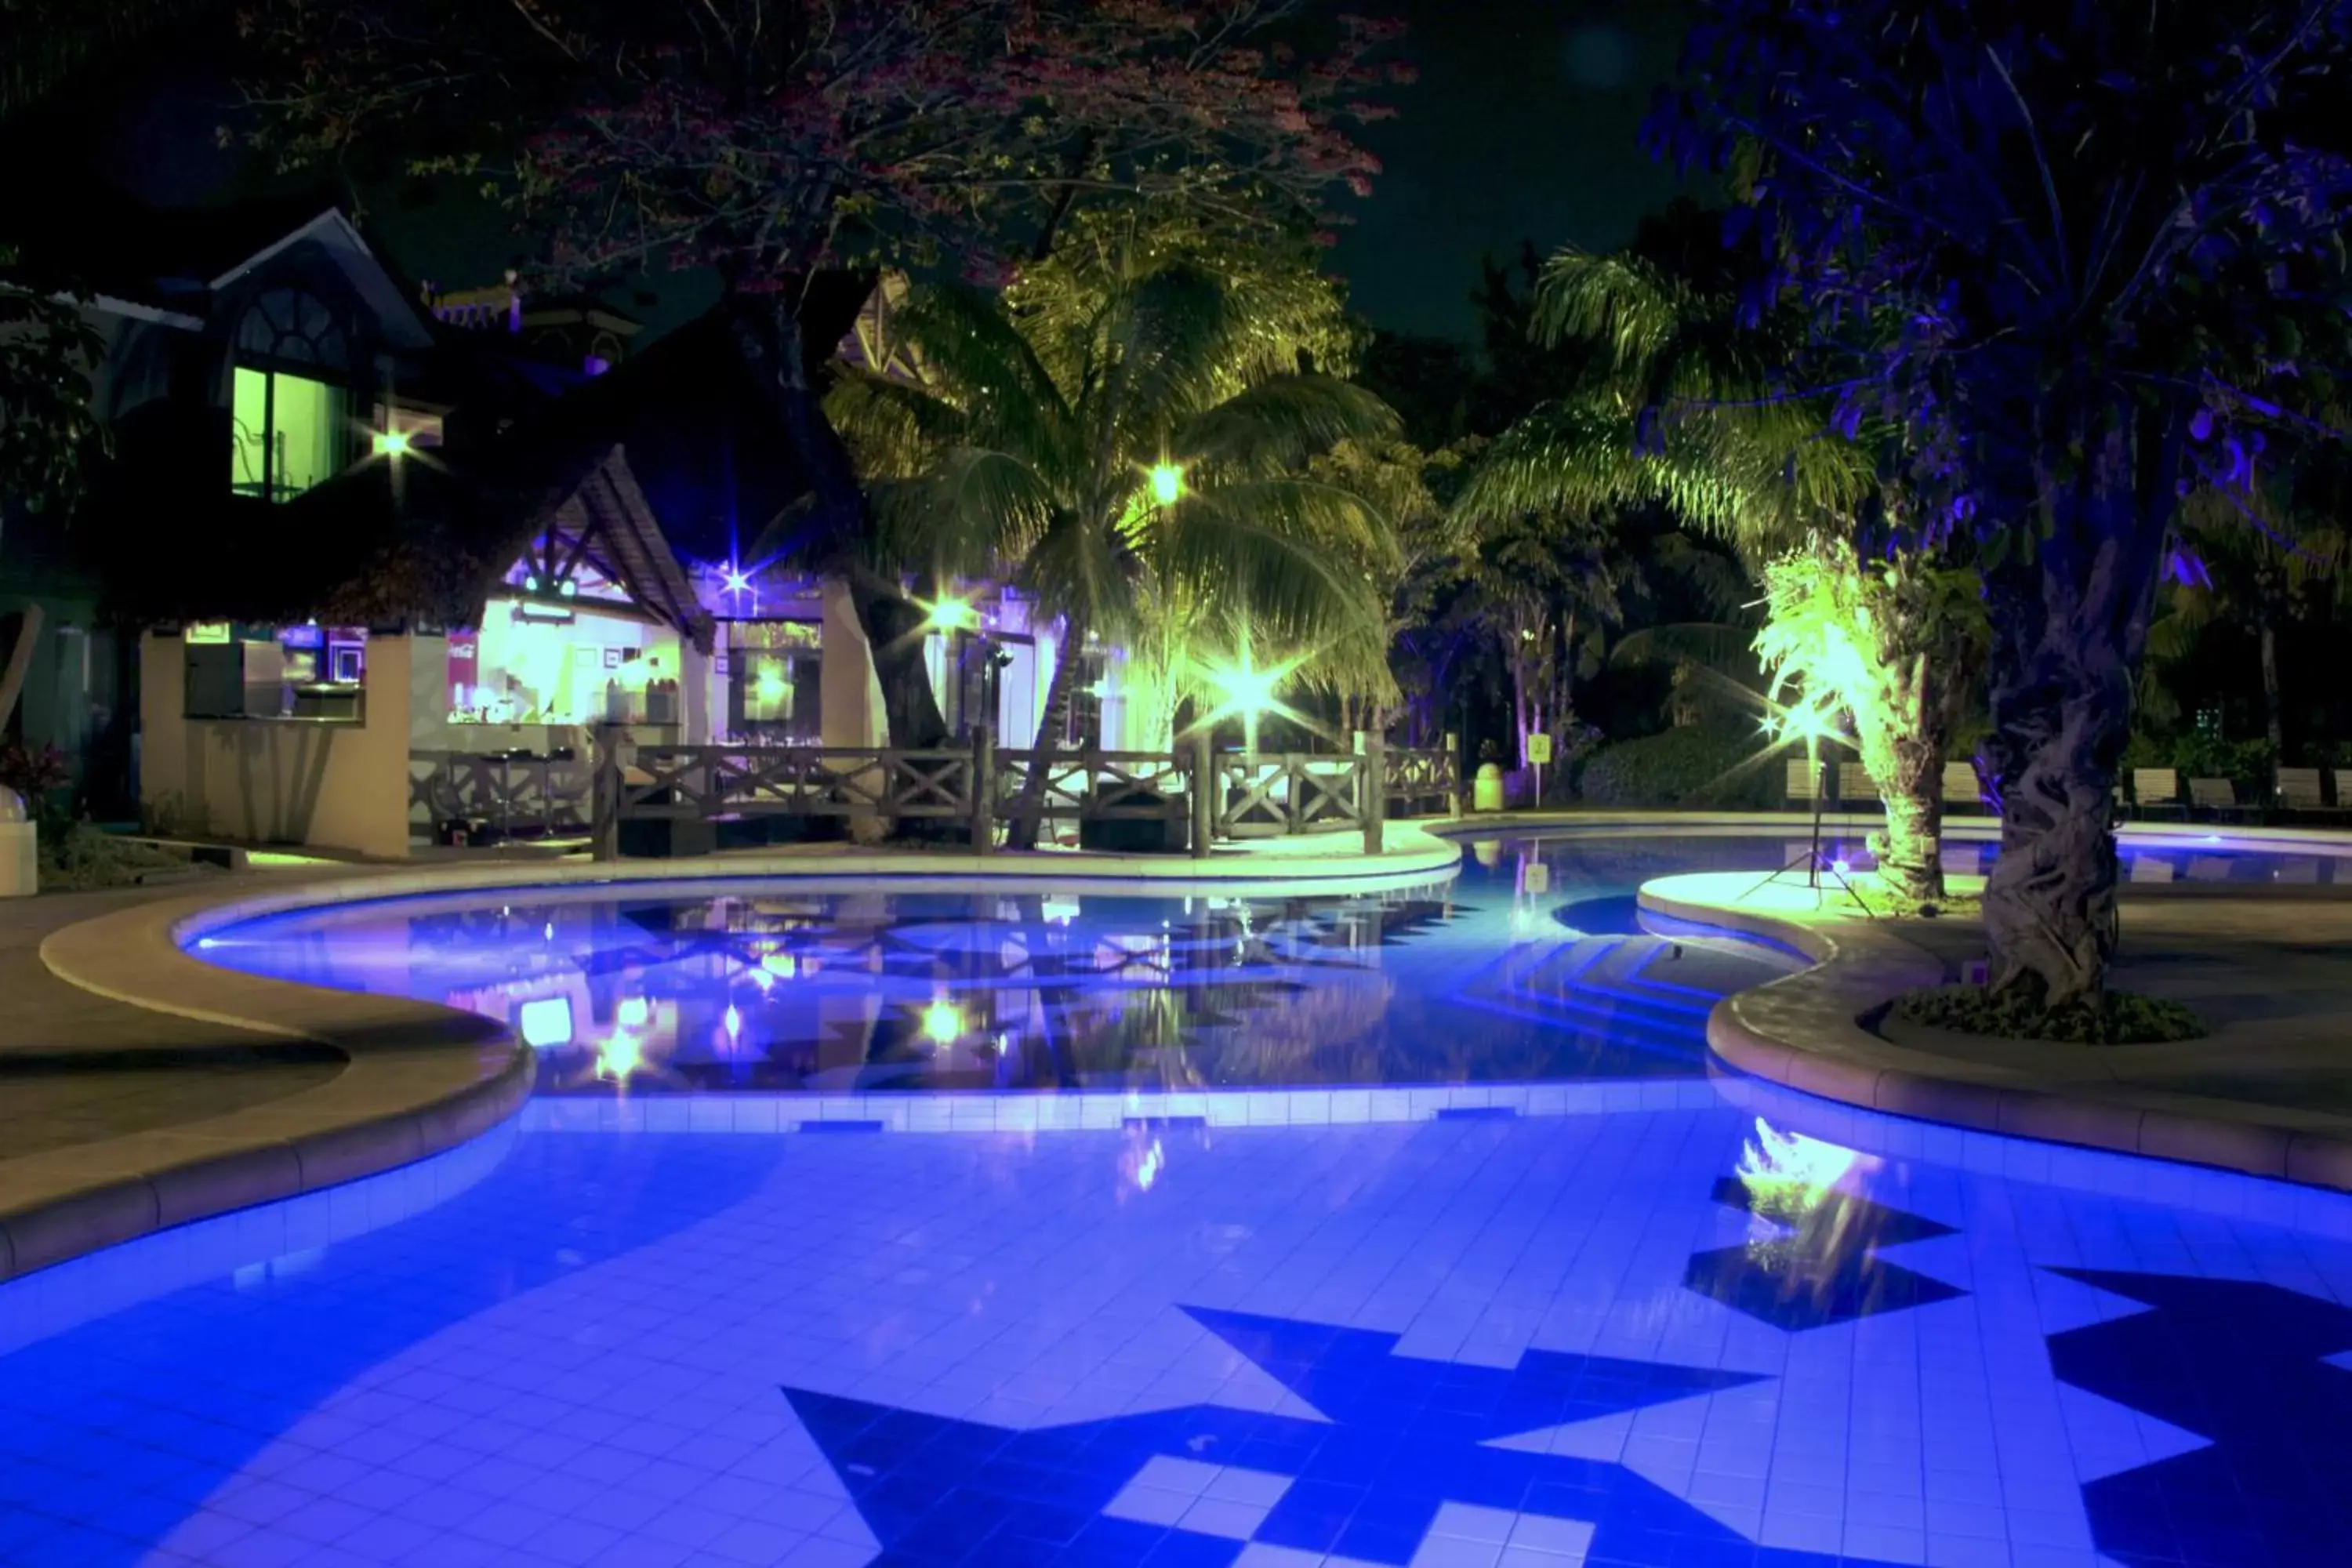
{"x": 769, "y": 139}
{"x": 2077, "y": 252}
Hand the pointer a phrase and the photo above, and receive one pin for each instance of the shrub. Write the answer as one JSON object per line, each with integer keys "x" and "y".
{"x": 2117, "y": 1018}
{"x": 79, "y": 857}
{"x": 1695, "y": 766}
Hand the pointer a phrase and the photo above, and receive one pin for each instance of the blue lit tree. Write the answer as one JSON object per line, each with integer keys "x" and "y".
{"x": 2086, "y": 255}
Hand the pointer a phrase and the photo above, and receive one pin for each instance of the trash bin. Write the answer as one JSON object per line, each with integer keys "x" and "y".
{"x": 1487, "y": 789}
{"x": 20, "y": 855}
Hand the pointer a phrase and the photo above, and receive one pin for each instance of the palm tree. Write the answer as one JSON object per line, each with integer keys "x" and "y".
{"x": 1681, "y": 403}
{"x": 1123, "y": 482}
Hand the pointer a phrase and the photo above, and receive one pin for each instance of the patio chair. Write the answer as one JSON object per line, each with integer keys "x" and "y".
{"x": 2298, "y": 794}
{"x": 2219, "y": 796}
{"x": 1804, "y": 782}
{"x": 1854, "y": 787}
{"x": 1961, "y": 788}
{"x": 2154, "y": 790}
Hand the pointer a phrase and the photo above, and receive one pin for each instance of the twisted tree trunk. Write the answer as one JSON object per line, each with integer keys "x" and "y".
{"x": 1029, "y": 814}
{"x": 2069, "y": 626}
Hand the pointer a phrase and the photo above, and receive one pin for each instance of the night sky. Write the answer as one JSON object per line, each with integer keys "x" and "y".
{"x": 1523, "y": 126}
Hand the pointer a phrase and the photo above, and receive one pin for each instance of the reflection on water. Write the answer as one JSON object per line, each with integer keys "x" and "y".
{"x": 1540, "y": 973}
{"x": 1812, "y": 1253}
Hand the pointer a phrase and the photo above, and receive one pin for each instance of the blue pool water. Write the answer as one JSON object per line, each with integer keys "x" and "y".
{"x": 1635, "y": 1315}
{"x": 1503, "y": 974}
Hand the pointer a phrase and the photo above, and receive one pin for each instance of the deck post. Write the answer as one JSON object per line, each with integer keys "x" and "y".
{"x": 1372, "y": 791}
{"x": 983, "y": 791}
{"x": 1203, "y": 791}
{"x": 604, "y": 795}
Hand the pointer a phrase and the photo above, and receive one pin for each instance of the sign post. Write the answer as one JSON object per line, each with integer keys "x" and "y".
{"x": 1539, "y": 750}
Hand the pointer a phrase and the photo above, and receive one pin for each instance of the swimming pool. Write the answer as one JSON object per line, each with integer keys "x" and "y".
{"x": 877, "y": 988}
{"x": 1678, "y": 1320}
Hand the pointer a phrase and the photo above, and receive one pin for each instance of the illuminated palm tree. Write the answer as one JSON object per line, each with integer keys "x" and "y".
{"x": 1683, "y": 403}
{"x": 1126, "y": 481}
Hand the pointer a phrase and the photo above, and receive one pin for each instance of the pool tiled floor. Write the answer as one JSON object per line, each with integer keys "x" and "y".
{"x": 1448, "y": 1342}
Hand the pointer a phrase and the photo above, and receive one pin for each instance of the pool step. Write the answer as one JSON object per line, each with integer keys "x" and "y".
{"x": 1601, "y": 988}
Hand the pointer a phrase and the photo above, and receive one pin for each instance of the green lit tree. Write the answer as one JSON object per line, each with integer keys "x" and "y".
{"x": 1680, "y": 404}
{"x": 1880, "y": 638}
{"x": 1117, "y": 471}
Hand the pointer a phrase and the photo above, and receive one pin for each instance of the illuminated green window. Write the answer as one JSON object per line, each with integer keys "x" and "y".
{"x": 289, "y": 433}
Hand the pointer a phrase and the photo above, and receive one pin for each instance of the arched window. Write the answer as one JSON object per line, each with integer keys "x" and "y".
{"x": 290, "y": 406}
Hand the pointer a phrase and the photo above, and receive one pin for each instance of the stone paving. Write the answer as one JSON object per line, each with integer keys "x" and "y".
{"x": 77, "y": 1068}
{"x": 2268, "y": 1091}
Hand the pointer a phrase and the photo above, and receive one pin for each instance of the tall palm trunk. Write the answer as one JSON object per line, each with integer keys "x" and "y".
{"x": 1902, "y": 746}
{"x": 2068, "y": 630}
{"x": 2274, "y": 718}
{"x": 1029, "y": 816}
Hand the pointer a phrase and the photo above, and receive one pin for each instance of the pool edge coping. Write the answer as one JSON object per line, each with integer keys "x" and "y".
{"x": 420, "y": 1078}
{"x": 1804, "y": 1032}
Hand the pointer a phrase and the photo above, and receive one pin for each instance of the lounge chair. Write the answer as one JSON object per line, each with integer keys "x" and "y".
{"x": 1961, "y": 787}
{"x": 2219, "y": 796}
{"x": 2154, "y": 790}
{"x": 1854, "y": 787}
{"x": 2299, "y": 795}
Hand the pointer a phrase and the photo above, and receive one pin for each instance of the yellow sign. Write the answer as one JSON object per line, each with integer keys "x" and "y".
{"x": 1539, "y": 747}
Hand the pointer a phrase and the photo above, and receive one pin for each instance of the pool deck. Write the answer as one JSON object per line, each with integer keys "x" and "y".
{"x": 2268, "y": 1092}
{"x": 140, "y": 1089}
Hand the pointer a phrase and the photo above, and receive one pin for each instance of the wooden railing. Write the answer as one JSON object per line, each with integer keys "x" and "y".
{"x": 1202, "y": 795}
{"x": 512, "y": 795}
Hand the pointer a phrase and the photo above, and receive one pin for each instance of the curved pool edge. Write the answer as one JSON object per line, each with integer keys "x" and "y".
{"x": 419, "y": 1078}
{"x": 1804, "y": 1032}
{"x": 422, "y": 1079}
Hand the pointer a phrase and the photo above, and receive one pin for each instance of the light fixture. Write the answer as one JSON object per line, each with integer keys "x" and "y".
{"x": 738, "y": 580}
{"x": 1166, "y": 484}
{"x": 545, "y": 1023}
{"x": 950, "y": 613}
{"x": 391, "y": 443}
{"x": 1247, "y": 690}
{"x": 943, "y": 1022}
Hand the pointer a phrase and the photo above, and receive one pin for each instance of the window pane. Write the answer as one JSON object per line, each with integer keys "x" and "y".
{"x": 309, "y": 429}
{"x": 249, "y": 416}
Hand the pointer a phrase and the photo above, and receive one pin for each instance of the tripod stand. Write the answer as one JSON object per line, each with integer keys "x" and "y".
{"x": 1813, "y": 860}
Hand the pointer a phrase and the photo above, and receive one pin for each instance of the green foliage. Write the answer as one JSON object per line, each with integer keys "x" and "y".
{"x": 1026, "y": 451}
{"x": 2195, "y": 754}
{"x": 2114, "y": 1018}
{"x": 79, "y": 857}
{"x": 50, "y": 434}
{"x": 1692, "y": 765}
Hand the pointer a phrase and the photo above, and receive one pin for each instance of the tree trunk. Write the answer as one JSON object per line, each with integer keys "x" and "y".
{"x": 892, "y": 624}
{"x": 2274, "y": 719}
{"x": 2069, "y": 625}
{"x": 20, "y": 663}
{"x": 1029, "y": 816}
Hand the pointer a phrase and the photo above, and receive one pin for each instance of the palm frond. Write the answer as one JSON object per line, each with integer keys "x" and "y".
{"x": 1728, "y": 650}
{"x": 1279, "y": 424}
{"x": 891, "y": 427}
{"x": 972, "y": 511}
{"x": 979, "y": 363}
{"x": 1295, "y": 556}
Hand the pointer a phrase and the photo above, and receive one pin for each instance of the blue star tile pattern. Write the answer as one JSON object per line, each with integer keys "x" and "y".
{"x": 1407, "y": 1442}
{"x": 1823, "y": 1267}
{"x": 2242, "y": 1364}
